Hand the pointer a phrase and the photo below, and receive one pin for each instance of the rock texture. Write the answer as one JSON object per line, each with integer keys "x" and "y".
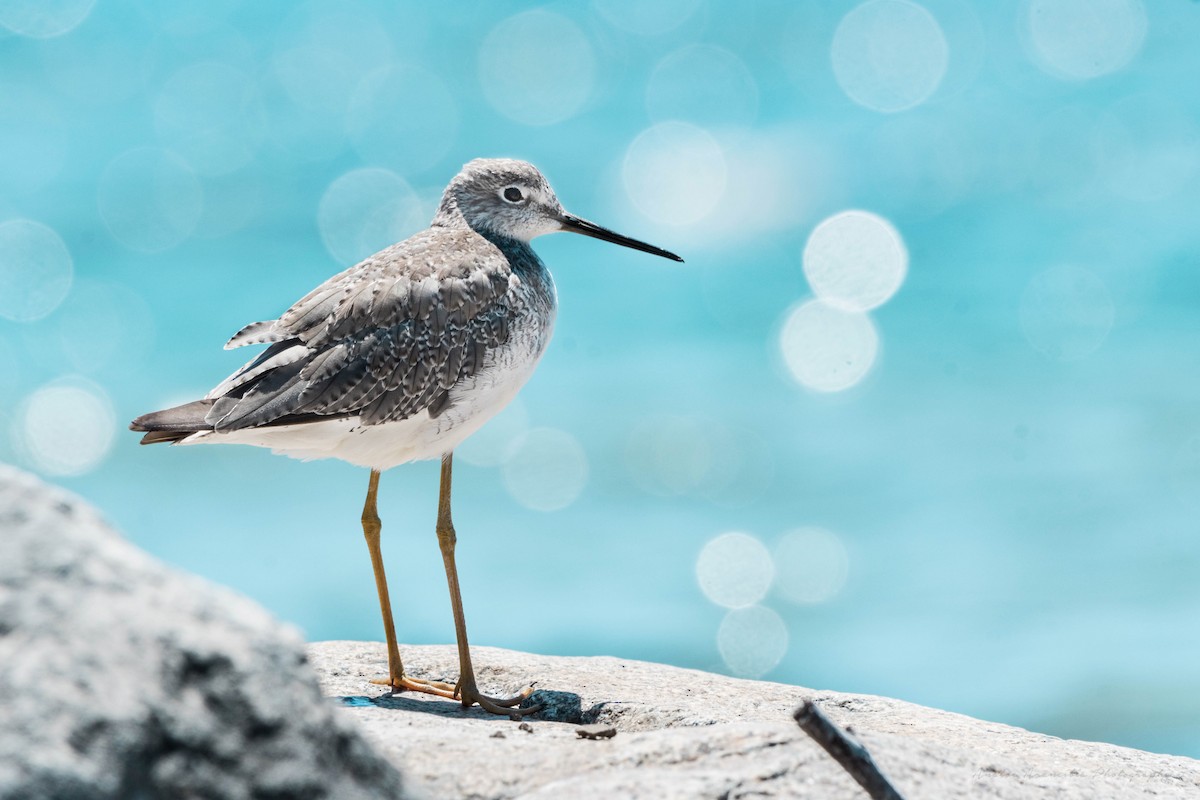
{"x": 687, "y": 734}
{"x": 122, "y": 678}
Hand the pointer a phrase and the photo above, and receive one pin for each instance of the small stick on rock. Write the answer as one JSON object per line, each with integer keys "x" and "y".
{"x": 847, "y": 751}
{"x": 595, "y": 731}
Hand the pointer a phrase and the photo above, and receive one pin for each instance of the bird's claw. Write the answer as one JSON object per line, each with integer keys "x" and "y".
{"x": 405, "y": 683}
{"x": 505, "y": 707}
{"x": 468, "y": 695}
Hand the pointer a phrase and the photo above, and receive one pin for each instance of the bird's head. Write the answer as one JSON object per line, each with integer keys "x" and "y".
{"x": 512, "y": 199}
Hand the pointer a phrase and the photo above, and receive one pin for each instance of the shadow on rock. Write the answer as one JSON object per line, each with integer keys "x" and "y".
{"x": 556, "y": 706}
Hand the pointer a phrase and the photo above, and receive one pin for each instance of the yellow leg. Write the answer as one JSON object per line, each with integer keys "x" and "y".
{"x": 466, "y": 690}
{"x": 396, "y": 677}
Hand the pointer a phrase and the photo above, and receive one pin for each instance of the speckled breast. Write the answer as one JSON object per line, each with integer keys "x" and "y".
{"x": 533, "y": 305}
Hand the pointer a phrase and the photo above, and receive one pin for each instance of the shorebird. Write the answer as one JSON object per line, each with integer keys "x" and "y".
{"x": 402, "y": 357}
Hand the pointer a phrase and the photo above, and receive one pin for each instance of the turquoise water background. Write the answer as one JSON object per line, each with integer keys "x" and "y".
{"x": 981, "y": 494}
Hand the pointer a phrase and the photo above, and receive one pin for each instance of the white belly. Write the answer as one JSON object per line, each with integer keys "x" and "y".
{"x": 472, "y": 403}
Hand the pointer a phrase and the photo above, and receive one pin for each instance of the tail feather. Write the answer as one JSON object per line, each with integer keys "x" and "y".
{"x": 170, "y": 437}
{"x": 173, "y": 424}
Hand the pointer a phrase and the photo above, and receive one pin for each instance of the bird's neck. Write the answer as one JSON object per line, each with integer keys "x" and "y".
{"x": 450, "y": 215}
{"x": 521, "y": 257}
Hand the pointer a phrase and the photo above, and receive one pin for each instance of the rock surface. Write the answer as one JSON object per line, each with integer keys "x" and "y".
{"x": 687, "y": 734}
{"x": 122, "y": 678}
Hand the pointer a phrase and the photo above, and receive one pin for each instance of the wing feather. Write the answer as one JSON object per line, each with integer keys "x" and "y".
{"x": 383, "y": 340}
{"x": 255, "y": 333}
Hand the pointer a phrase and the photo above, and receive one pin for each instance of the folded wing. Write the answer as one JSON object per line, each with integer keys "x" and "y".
{"x": 383, "y": 340}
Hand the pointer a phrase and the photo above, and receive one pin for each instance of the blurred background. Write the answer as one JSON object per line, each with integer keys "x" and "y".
{"x": 918, "y": 417}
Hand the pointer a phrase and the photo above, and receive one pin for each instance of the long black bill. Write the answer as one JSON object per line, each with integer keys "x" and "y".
{"x": 577, "y": 225}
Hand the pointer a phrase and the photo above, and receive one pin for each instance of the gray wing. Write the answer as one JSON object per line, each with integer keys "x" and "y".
{"x": 383, "y": 340}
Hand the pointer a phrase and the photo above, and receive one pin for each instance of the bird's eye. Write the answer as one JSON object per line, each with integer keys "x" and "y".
{"x": 513, "y": 195}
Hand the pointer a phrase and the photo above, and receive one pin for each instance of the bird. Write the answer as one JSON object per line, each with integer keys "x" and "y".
{"x": 400, "y": 358}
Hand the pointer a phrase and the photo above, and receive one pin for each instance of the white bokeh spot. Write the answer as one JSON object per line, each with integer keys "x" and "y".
{"x": 105, "y": 327}
{"x": 889, "y": 55}
{"x": 492, "y": 444}
{"x": 855, "y": 260}
{"x": 811, "y": 565}
{"x": 1066, "y": 312}
{"x": 366, "y": 210}
{"x": 734, "y": 570}
{"x": 674, "y": 173}
{"x": 43, "y": 19}
{"x": 1082, "y": 39}
{"x": 36, "y": 270}
{"x": 752, "y": 641}
{"x": 65, "y": 428}
{"x": 546, "y": 469}
{"x": 537, "y": 68}
{"x": 828, "y": 349}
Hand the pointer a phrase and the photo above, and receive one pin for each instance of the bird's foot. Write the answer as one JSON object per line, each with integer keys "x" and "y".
{"x": 407, "y": 684}
{"x": 505, "y": 707}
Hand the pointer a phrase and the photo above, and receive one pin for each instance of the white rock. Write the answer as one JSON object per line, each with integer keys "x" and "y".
{"x": 122, "y": 678}
{"x": 688, "y": 734}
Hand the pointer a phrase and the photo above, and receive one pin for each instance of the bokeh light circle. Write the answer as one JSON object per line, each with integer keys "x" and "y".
{"x": 855, "y": 260}
{"x": 150, "y": 199}
{"x": 1066, "y": 312}
{"x": 811, "y": 565}
{"x": 889, "y": 55}
{"x": 43, "y": 19}
{"x": 207, "y": 114}
{"x": 325, "y": 48}
{"x": 646, "y": 19}
{"x": 734, "y": 570}
{"x": 491, "y": 445}
{"x": 366, "y": 210}
{"x": 231, "y": 202}
{"x": 703, "y": 84}
{"x": 1082, "y": 39}
{"x": 674, "y": 173}
{"x": 752, "y": 641}
{"x": 828, "y": 349}
{"x": 741, "y": 465}
{"x": 546, "y": 469}
{"x": 105, "y": 328}
{"x": 36, "y": 270}
{"x": 670, "y": 455}
{"x": 537, "y": 68}
{"x": 66, "y": 427}
{"x": 402, "y": 117}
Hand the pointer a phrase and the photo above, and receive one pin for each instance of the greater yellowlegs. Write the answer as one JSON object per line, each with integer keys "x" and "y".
{"x": 401, "y": 358}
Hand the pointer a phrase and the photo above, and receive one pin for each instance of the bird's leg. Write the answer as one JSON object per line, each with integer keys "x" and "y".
{"x": 396, "y": 677}
{"x": 466, "y": 690}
